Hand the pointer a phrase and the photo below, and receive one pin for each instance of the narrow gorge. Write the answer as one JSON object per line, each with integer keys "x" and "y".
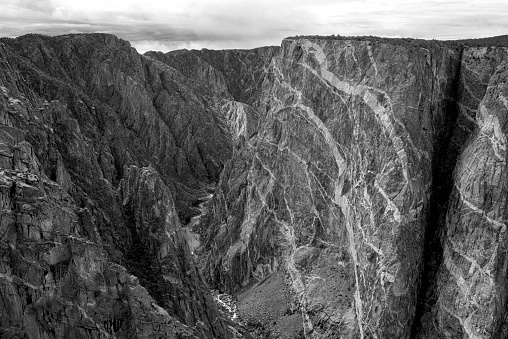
{"x": 336, "y": 187}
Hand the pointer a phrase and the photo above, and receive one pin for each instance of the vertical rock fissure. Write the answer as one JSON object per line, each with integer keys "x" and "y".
{"x": 442, "y": 173}
{"x": 143, "y": 264}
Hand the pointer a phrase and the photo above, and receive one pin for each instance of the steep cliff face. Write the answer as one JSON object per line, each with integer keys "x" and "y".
{"x": 335, "y": 188}
{"x": 346, "y": 184}
{"x": 136, "y": 109}
{"x": 87, "y": 125}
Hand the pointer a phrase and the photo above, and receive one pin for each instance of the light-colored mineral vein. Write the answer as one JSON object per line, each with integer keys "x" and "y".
{"x": 463, "y": 198}
{"x": 466, "y": 323}
{"x": 371, "y": 57}
{"x": 343, "y": 202}
{"x": 236, "y": 117}
{"x": 474, "y": 263}
{"x": 504, "y": 100}
{"x": 11, "y": 279}
{"x": 454, "y": 270}
{"x": 364, "y": 92}
{"x": 491, "y": 128}
{"x": 468, "y": 109}
{"x": 390, "y": 205}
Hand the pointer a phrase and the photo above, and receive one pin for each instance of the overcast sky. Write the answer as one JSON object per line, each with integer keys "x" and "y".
{"x": 174, "y": 24}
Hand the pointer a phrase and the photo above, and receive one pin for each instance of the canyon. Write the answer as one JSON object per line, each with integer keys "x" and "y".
{"x": 335, "y": 187}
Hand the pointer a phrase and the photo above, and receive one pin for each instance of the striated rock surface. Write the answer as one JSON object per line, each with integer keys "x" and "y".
{"x": 335, "y": 188}
{"x": 477, "y": 67}
{"x": 233, "y": 78}
{"x": 56, "y": 279}
{"x": 132, "y": 109}
{"x": 343, "y": 185}
{"x": 160, "y": 255}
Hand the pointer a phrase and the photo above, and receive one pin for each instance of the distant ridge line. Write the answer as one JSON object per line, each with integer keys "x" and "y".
{"x": 494, "y": 41}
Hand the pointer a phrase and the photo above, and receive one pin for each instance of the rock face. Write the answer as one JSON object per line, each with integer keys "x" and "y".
{"x": 343, "y": 185}
{"x": 359, "y": 189}
{"x": 335, "y": 187}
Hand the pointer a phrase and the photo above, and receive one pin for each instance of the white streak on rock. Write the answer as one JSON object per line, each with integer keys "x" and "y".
{"x": 491, "y": 128}
{"x": 463, "y": 198}
{"x": 368, "y": 95}
{"x": 371, "y": 57}
{"x": 390, "y": 205}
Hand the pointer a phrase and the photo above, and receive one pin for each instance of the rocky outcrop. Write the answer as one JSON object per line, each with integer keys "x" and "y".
{"x": 87, "y": 125}
{"x": 160, "y": 255}
{"x": 233, "y": 77}
{"x": 56, "y": 279}
{"x": 132, "y": 109}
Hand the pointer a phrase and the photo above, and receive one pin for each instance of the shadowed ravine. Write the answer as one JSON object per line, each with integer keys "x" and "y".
{"x": 442, "y": 182}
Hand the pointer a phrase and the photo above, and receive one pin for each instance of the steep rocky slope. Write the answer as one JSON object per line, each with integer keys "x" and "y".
{"x": 359, "y": 189}
{"x": 98, "y": 146}
{"x": 235, "y": 78}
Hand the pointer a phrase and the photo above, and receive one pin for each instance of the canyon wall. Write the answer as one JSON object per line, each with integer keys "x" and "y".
{"x": 348, "y": 188}
{"x": 359, "y": 189}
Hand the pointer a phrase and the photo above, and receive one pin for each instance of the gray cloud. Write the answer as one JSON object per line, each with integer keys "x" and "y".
{"x": 247, "y": 24}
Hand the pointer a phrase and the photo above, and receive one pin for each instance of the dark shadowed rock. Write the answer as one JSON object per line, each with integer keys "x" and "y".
{"x": 80, "y": 117}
